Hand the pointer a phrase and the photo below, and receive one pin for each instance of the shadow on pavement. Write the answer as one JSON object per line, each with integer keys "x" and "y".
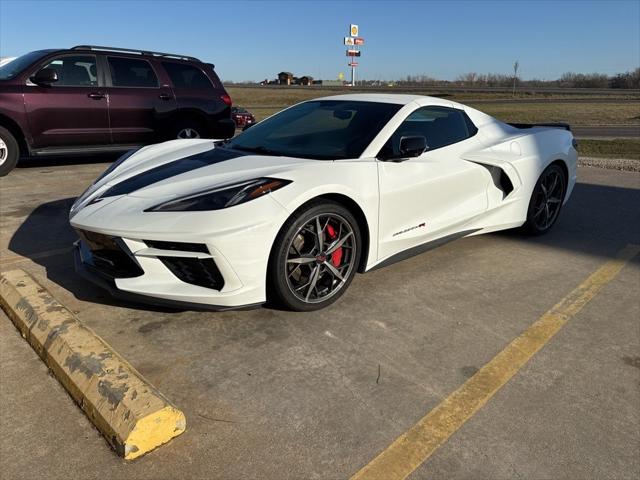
{"x": 47, "y": 228}
{"x": 597, "y": 221}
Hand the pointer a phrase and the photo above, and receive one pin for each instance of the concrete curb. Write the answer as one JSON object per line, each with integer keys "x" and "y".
{"x": 133, "y": 415}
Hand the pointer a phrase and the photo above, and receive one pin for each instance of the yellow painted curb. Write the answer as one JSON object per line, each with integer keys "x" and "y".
{"x": 132, "y": 414}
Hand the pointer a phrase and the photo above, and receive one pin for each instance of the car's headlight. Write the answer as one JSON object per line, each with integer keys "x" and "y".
{"x": 222, "y": 197}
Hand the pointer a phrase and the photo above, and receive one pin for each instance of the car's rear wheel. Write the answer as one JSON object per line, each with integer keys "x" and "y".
{"x": 546, "y": 200}
{"x": 315, "y": 257}
{"x": 9, "y": 151}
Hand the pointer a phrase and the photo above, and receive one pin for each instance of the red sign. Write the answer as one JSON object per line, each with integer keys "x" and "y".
{"x": 358, "y": 41}
{"x": 353, "y": 64}
{"x": 353, "y": 53}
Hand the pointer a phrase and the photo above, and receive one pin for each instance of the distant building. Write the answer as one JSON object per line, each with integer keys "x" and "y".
{"x": 285, "y": 78}
{"x": 306, "y": 80}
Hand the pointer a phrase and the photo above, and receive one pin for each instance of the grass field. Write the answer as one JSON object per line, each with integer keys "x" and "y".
{"x": 619, "y": 148}
{"x": 266, "y": 101}
{"x": 252, "y": 96}
{"x": 609, "y": 110}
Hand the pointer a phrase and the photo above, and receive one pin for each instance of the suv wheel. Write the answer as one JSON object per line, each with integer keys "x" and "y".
{"x": 9, "y": 151}
{"x": 187, "y": 130}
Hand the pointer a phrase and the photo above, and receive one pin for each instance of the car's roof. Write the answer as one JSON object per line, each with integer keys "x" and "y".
{"x": 397, "y": 98}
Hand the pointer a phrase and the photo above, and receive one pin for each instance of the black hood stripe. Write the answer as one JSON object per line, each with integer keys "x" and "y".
{"x": 172, "y": 169}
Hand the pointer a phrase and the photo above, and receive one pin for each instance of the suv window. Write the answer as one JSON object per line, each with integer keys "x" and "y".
{"x": 75, "y": 71}
{"x": 441, "y": 126}
{"x": 186, "y": 76}
{"x": 130, "y": 72}
{"x": 17, "y": 65}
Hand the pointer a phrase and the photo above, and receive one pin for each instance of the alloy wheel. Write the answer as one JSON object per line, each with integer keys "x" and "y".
{"x": 188, "y": 133}
{"x": 548, "y": 199}
{"x": 320, "y": 258}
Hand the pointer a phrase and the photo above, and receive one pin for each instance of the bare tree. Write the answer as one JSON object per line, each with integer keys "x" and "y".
{"x": 516, "y": 65}
{"x": 468, "y": 78}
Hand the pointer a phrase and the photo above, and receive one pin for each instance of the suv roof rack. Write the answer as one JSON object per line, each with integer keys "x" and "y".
{"x": 135, "y": 51}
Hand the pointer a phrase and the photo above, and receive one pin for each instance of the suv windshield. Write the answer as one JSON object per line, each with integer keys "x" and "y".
{"x": 320, "y": 129}
{"x": 16, "y": 66}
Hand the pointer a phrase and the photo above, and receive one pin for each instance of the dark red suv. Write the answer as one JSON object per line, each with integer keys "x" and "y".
{"x": 91, "y": 99}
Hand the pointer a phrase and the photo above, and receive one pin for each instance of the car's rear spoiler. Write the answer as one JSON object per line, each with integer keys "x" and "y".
{"x": 565, "y": 126}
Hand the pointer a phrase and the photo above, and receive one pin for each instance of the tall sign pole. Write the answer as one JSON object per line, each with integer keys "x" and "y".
{"x": 353, "y": 43}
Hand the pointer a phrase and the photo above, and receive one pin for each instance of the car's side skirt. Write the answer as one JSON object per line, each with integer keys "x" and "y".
{"x": 413, "y": 251}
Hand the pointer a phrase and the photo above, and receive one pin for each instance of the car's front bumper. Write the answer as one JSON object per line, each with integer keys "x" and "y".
{"x": 99, "y": 278}
{"x": 172, "y": 257}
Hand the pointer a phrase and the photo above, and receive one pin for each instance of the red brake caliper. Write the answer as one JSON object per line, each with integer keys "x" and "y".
{"x": 336, "y": 256}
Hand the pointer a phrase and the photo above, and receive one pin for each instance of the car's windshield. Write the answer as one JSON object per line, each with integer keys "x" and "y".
{"x": 16, "y": 66}
{"x": 320, "y": 129}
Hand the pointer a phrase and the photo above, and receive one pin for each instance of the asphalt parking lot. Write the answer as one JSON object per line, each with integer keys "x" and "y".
{"x": 273, "y": 394}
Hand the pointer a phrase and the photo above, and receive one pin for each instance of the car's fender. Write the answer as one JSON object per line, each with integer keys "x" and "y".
{"x": 354, "y": 179}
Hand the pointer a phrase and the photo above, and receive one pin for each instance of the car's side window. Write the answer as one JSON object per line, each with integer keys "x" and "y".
{"x": 441, "y": 126}
{"x": 131, "y": 72}
{"x": 186, "y": 76}
{"x": 75, "y": 71}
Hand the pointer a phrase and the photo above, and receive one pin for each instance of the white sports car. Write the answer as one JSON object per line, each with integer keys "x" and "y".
{"x": 289, "y": 210}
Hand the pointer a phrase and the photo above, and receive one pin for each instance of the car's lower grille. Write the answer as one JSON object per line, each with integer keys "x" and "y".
{"x": 107, "y": 254}
{"x": 196, "y": 271}
{"x": 180, "y": 246}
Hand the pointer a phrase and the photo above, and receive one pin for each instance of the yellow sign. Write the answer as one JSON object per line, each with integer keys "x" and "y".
{"x": 354, "y": 30}
{"x": 341, "y": 76}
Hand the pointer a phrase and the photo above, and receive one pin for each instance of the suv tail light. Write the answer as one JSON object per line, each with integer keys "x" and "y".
{"x": 226, "y": 99}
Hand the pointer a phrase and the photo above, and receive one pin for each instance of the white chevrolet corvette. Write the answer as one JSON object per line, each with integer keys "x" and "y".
{"x": 289, "y": 210}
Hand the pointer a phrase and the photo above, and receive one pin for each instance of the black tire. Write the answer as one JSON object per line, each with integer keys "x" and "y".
{"x": 335, "y": 268}
{"x": 546, "y": 200}
{"x": 187, "y": 129}
{"x": 9, "y": 151}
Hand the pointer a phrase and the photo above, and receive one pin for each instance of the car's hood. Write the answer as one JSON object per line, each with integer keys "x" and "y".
{"x": 182, "y": 167}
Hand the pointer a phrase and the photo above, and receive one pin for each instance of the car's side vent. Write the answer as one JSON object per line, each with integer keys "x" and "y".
{"x": 500, "y": 179}
{"x": 178, "y": 246}
{"x": 196, "y": 271}
{"x": 505, "y": 183}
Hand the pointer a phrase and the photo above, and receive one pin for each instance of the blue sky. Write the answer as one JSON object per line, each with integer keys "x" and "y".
{"x": 256, "y": 39}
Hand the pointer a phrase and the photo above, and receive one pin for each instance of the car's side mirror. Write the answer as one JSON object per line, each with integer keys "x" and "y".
{"x": 45, "y": 76}
{"x": 412, "y": 146}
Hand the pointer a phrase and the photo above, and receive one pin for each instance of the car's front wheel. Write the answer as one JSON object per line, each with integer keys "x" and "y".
{"x": 315, "y": 257}
{"x": 9, "y": 151}
{"x": 546, "y": 200}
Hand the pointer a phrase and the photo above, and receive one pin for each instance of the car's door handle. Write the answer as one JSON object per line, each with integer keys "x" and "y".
{"x": 96, "y": 95}
{"x": 165, "y": 96}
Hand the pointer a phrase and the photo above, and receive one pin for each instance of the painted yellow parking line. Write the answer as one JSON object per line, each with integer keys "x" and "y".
{"x": 418, "y": 443}
{"x": 13, "y": 259}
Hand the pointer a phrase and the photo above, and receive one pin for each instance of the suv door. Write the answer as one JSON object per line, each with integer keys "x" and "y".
{"x": 72, "y": 111}
{"x": 138, "y": 104}
{"x": 433, "y": 195}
